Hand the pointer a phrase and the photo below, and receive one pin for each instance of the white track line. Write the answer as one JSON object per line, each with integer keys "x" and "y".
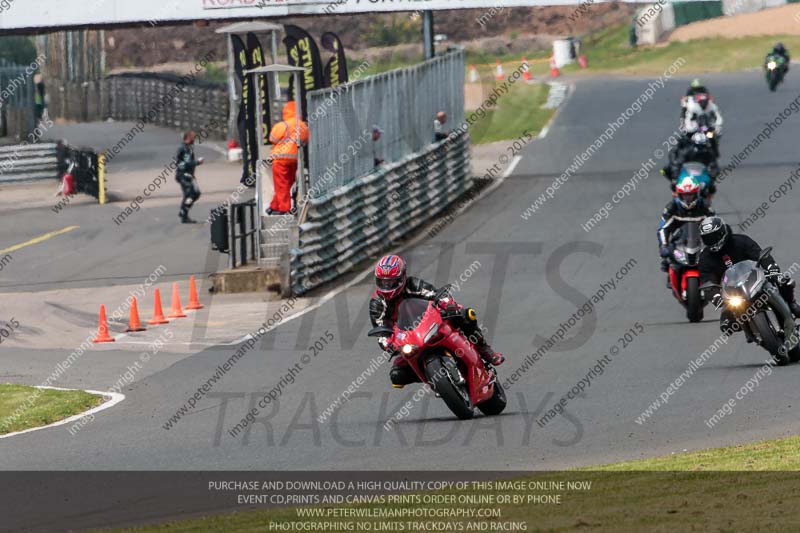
{"x": 512, "y": 166}
{"x": 115, "y": 399}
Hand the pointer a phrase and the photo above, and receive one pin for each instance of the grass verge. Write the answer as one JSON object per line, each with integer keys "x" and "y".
{"x": 608, "y": 51}
{"x": 515, "y": 113}
{"x": 751, "y": 487}
{"x": 46, "y": 406}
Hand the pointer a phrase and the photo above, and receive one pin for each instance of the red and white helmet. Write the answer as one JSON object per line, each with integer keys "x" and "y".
{"x": 688, "y": 192}
{"x": 390, "y": 276}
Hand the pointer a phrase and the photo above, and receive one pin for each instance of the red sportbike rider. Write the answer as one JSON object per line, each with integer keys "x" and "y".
{"x": 392, "y": 287}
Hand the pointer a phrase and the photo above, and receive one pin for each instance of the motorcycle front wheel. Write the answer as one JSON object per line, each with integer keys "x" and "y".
{"x": 694, "y": 302}
{"x": 496, "y": 404}
{"x": 770, "y": 341}
{"x": 455, "y": 396}
{"x": 772, "y": 82}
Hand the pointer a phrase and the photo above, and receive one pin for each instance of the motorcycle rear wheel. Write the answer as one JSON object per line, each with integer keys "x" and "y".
{"x": 439, "y": 378}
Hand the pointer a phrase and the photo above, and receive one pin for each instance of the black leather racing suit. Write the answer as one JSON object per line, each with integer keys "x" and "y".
{"x": 184, "y": 175}
{"x": 686, "y": 151}
{"x": 739, "y": 247}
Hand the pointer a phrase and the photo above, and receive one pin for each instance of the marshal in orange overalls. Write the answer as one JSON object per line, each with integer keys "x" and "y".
{"x": 284, "y": 139}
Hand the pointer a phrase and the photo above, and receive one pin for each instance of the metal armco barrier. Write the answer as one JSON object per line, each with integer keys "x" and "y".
{"x": 155, "y": 97}
{"x": 23, "y": 162}
{"x": 355, "y": 222}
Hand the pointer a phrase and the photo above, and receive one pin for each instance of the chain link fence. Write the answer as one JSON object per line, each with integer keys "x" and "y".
{"x": 402, "y": 102}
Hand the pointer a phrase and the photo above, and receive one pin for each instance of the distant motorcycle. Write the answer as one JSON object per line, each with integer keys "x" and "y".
{"x": 684, "y": 271}
{"x": 774, "y": 70}
{"x": 754, "y": 300}
{"x": 443, "y": 357}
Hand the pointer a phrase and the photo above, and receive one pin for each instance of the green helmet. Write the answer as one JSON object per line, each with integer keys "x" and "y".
{"x": 696, "y": 83}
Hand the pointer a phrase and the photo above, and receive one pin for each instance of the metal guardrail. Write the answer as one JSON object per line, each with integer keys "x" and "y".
{"x": 23, "y": 162}
{"x": 355, "y": 222}
{"x": 237, "y": 219}
{"x": 199, "y": 105}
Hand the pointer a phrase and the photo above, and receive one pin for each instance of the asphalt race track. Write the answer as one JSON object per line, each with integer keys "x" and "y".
{"x": 532, "y": 275}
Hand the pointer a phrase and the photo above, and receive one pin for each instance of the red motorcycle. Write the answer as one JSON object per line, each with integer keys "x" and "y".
{"x": 684, "y": 271}
{"x": 443, "y": 357}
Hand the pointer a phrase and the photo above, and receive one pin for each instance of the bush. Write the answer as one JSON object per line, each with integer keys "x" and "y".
{"x": 398, "y": 32}
{"x": 17, "y": 49}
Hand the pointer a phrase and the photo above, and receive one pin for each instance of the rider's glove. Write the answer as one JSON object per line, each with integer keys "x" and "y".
{"x": 716, "y": 300}
{"x": 664, "y": 251}
{"x": 774, "y": 269}
{"x": 448, "y": 305}
{"x": 383, "y": 342}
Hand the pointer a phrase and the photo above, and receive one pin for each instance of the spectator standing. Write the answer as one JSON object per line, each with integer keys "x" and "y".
{"x": 377, "y": 131}
{"x": 184, "y": 175}
{"x": 285, "y": 143}
{"x": 439, "y": 133}
{"x": 39, "y": 97}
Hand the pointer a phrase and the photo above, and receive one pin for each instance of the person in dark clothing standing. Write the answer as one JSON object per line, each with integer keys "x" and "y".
{"x": 184, "y": 175}
{"x": 39, "y": 98}
{"x": 723, "y": 249}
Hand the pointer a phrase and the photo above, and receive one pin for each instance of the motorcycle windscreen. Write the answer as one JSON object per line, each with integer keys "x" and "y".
{"x": 410, "y": 313}
{"x": 744, "y": 278}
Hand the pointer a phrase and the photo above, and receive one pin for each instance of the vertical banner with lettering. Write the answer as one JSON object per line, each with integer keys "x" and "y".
{"x": 256, "y": 55}
{"x": 303, "y": 52}
{"x": 336, "y": 68}
{"x": 245, "y": 118}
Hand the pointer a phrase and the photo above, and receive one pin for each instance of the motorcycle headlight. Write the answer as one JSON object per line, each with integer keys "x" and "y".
{"x": 710, "y": 134}
{"x": 408, "y": 349}
{"x": 771, "y": 65}
{"x": 680, "y": 257}
{"x": 735, "y": 301}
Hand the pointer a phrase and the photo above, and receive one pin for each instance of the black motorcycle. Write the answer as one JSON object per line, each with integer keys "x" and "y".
{"x": 700, "y": 149}
{"x": 750, "y": 294}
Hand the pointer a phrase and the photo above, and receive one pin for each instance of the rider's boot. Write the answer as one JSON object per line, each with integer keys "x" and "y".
{"x": 488, "y": 355}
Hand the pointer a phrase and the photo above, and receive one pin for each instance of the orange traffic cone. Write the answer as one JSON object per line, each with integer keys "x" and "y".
{"x": 499, "y": 75}
{"x": 473, "y": 74}
{"x": 554, "y": 72}
{"x": 158, "y": 313}
{"x": 194, "y": 302}
{"x": 176, "y": 311}
{"x": 134, "y": 324}
{"x": 102, "y": 328}
{"x": 526, "y": 70}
